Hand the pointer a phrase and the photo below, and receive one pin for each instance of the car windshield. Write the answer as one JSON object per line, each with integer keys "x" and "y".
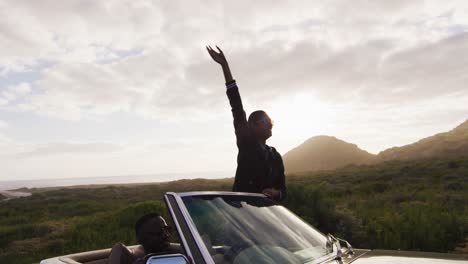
{"x": 245, "y": 229}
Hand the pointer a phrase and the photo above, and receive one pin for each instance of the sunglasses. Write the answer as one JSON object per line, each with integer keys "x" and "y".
{"x": 265, "y": 121}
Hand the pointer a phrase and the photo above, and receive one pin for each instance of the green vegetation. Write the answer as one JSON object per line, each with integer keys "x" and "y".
{"x": 417, "y": 205}
{"x": 62, "y": 221}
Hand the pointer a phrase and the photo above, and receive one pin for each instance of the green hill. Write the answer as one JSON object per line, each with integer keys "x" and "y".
{"x": 447, "y": 145}
{"x": 329, "y": 153}
{"x": 324, "y": 153}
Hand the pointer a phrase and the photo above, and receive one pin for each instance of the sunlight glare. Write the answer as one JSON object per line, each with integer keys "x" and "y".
{"x": 299, "y": 117}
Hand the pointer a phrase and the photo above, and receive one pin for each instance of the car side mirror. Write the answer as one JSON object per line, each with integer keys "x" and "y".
{"x": 168, "y": 259}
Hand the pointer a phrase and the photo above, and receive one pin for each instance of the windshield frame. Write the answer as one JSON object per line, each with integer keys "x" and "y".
{"x": 191, "y": 225}
{"x": 199, "y": 241}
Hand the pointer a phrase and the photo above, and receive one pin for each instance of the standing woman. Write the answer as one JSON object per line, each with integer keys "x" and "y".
{"x": 260, "y": 167}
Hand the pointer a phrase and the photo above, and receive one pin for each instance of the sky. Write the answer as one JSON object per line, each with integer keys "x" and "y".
{"x": 108, "y": 88}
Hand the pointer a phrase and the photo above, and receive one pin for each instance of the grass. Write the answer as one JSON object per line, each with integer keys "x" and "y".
{"x": 417, "y": 205}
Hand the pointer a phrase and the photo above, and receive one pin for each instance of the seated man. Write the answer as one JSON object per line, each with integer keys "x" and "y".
{"x": 152, "y": 233}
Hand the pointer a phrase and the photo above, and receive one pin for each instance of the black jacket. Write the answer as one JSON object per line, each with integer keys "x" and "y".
{"x": 258, "y": 166}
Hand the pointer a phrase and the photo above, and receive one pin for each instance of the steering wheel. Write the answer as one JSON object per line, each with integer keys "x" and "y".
{"x": 231, "y": 253}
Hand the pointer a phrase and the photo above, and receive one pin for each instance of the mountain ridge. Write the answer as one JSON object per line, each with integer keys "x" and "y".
{"x": 446, "y": 144}
{"x": 320, "y": 151}
{"x": 328, "y": 152}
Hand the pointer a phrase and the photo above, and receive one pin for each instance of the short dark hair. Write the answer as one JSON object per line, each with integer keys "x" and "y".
{"x": 256, "y": 115}
{"x": 143, "y": 220}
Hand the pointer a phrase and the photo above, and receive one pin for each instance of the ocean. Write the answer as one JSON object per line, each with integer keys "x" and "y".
{"x": 149, "y": 178}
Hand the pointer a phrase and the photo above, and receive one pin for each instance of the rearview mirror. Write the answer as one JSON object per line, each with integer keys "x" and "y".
{"x": 168, "y": 259}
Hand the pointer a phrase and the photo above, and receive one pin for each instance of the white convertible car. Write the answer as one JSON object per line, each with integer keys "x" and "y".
{"x": 226, "y": 227}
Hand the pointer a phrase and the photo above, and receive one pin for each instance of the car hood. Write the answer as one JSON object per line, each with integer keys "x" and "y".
{"x": 404, "y": 257}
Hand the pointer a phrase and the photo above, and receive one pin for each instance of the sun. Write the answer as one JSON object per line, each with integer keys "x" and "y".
{"x": 298, "y": 117}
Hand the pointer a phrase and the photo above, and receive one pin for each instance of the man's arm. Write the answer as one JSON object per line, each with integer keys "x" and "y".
{"x": 232, "y": 91}
{"x": 120, "y": 254}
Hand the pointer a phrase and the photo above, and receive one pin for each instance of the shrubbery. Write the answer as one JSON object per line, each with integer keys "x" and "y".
{"x": 419, "y": 205}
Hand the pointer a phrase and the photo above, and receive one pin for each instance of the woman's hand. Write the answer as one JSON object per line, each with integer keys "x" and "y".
{"x": 217, "y": 56}
{"x": 271, "y": 193}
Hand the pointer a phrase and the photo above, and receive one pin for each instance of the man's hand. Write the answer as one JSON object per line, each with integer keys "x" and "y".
{"x": 271, "y": 193}
{"x": 217, "y": 56}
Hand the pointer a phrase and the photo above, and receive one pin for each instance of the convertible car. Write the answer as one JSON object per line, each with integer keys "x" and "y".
{"x": 226, "y": 227}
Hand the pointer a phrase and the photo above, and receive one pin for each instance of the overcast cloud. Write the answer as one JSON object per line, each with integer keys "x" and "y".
{"x": 365, "y": 67}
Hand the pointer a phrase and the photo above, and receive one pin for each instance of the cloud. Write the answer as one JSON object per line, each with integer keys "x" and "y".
{"x": 13, "y": 95}
{"x": 3, "y": 124}
{"x": 75, "y": 30}
{"x": 73, "y": 90}
{"x": 60, "y": 148}
{"x": 83, "y": 31}
{"x": 14, "y": 92}
{"x": 148, "y": 59}
{"x": 368, "y": 72}
{"x": 12, "y": 149}
{"x": 379, "y": 68}
{"x": 136, "y": 56}
{"x": 69, "y": 159}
